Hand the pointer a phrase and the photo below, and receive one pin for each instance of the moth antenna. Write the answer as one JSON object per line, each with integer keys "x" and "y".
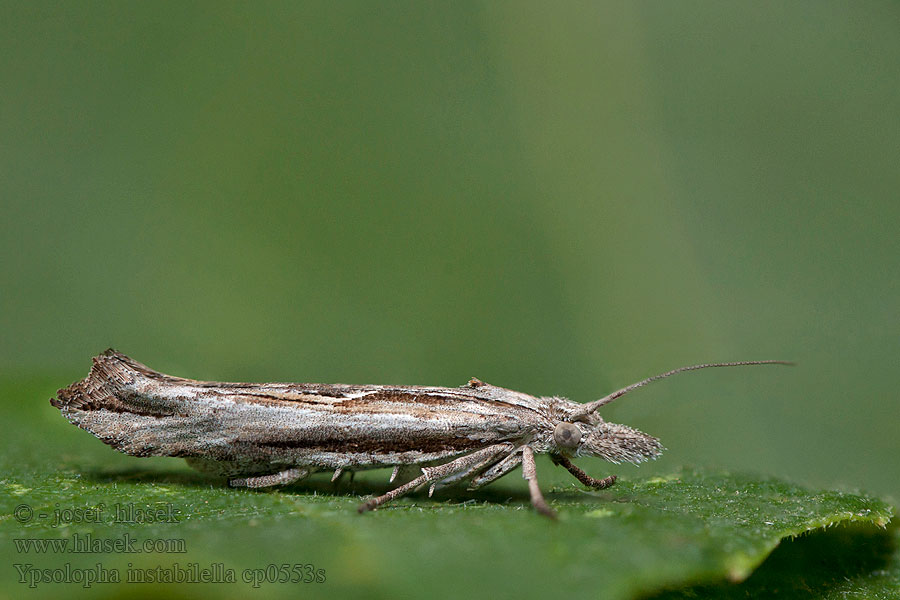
{"x": 590, "y": 407}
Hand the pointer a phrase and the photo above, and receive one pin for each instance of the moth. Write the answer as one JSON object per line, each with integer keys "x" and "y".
{"x": 265, "y": 434}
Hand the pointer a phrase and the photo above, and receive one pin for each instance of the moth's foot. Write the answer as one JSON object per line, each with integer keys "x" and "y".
{"x": 604, "y": 483}
{"x": 598, "y": 484}
{"x": 283, "y": 478}
{"x": 542, "y": 507}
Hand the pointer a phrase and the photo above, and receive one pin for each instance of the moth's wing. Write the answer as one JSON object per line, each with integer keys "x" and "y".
{"x": 142, "y": 412}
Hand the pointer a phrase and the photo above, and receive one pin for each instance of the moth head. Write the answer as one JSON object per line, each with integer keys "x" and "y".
{"x": 620, "y": 443}
{"x": 609, "y": 441}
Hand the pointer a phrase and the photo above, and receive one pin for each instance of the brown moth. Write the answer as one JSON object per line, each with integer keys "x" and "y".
{"x": 263, "y": 434}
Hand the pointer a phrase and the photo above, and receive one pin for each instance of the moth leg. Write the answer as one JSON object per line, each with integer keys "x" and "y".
{"x": 475, "y": 469}
{"x": 581, "y": 476}
{"x": 497, "y": 471}
{"x": 529, "y": 472}
{"x": 432, "y": 473}
{"x": 282, "y": 478}
{"x": 406, "y": 487}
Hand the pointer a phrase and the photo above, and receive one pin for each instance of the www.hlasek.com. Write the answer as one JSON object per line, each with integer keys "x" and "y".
{"x": 88, "y": 544}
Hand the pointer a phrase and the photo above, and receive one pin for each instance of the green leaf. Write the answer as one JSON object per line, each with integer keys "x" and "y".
{"x": 840, "y": 562}
{"x": 694, "y": 533}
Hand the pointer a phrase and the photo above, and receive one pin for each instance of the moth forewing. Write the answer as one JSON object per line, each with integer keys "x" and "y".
{"x": 276, "y": 433}
{"x": 143, "y": 413}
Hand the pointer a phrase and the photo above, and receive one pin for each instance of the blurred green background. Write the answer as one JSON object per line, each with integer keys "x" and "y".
{"x": 556, "y": 199}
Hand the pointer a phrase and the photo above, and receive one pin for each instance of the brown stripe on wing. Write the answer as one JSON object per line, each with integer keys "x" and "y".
{"x": 403, "y": 397}
{"x": 426, "y": 445}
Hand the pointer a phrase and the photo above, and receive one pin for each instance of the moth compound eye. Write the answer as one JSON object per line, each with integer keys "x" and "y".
{"x": 567, "y": 435}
